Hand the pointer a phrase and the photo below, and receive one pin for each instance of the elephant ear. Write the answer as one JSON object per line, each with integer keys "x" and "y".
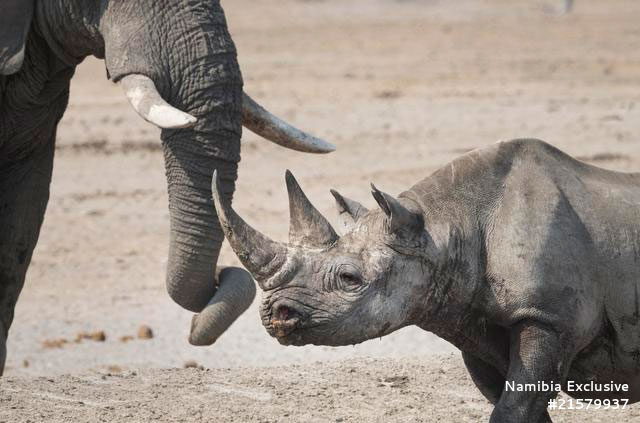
{"x": 15, "y": 20}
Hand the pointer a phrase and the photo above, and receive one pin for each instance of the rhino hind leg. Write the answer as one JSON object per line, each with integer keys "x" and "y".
{"x": 486, "y": 377}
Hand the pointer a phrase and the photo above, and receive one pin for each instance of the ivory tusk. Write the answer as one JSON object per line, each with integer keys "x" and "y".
{"x": 274, "y": 129}
{"x": 145, "y": 99}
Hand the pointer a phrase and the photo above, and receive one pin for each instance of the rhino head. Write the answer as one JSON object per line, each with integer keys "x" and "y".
{"x": 325, "y": 289}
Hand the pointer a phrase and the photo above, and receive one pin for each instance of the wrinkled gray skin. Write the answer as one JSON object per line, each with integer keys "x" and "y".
{"x": 521, "y": 256}
{"x": 184, "y": 47}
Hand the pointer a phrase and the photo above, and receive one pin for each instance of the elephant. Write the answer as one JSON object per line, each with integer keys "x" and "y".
{"x": 177, "y": 64}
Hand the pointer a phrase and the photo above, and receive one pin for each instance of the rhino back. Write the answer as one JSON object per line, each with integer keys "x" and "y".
{"x": 565, "y": 237}
{"x": 561, "y": 237}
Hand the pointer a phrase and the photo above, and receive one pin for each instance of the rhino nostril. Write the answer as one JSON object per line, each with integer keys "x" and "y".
{"x": 284, "y": 319}
{"x": 284, "y": 313}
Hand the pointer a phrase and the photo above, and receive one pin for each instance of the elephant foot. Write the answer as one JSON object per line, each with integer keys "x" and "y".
{"x": 235, "y": 294}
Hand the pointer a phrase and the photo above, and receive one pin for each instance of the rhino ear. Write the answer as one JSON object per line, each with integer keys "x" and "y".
{"x": 349, "y": 211}
{"x": 15, "y": 20}
{"x": 399, "y": 218}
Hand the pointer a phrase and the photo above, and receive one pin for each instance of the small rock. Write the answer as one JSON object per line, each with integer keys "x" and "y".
{"x": 126, "y": 338}
{"x": 394, "y": 381}
{"x": 190, "y": 364}
{"x": 145, "y": 332}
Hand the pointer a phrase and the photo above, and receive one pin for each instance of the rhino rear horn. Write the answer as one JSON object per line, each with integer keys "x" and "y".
{"x": 307, "y": 226}
{"x": 349, "y": 210}
{"x": 399, "y": 218}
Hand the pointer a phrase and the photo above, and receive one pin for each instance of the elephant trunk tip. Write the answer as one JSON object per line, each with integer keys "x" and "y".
{"x": 234, "y": 296}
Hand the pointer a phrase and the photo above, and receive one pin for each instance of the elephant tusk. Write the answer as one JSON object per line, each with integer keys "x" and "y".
{"x": 274, "y": 129}
{"x": 146, "y": 100}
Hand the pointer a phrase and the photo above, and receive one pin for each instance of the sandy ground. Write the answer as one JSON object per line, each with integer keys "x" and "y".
{"x": 401, "y": 87}
{"x": 355, "y": 390}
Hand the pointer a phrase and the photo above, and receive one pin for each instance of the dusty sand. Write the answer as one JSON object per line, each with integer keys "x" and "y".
{"x": 401, "y": 87}
{"x": 355, "y": 390}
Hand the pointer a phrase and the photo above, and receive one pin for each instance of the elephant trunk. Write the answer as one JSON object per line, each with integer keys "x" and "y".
{"x": 195, "y": 234}
{"x": 191, "y": 157}
{"x": 235, "y": 294}
{"x": 205, "y": 83}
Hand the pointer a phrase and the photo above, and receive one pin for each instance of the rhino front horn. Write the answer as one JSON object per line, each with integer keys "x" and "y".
{"x": 261, "y": 256}
{"x": 306, "y": 226}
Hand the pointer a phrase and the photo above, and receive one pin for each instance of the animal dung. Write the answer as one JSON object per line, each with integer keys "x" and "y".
{"x": 98, "y": 336}
{"x": 145, "y": 332}
{"x": 54, "y": 343}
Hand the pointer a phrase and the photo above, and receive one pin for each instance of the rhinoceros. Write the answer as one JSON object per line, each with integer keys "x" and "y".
{"x": 524, "y": 258}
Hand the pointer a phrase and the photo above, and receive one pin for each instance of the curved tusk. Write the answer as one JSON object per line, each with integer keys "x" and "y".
{"x": 145, "y": 99}
{"x": 274, "y": 129}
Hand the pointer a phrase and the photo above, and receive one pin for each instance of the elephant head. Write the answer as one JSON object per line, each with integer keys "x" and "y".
{"x": 177, "y": 64}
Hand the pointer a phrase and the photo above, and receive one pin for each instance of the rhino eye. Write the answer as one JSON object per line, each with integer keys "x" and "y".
{"x": 350, "y": 278}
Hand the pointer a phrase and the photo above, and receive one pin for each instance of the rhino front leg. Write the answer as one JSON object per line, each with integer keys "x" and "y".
{"x": 24, "y": 193}
{"x": 537, "y": 354}
{"x": 488, "y": 379}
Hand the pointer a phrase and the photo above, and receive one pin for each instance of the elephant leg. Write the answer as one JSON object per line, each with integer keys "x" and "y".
{"x": 3, "y": 347}
{"x": 235, "y": 293}
{"x": 24, "y": 193}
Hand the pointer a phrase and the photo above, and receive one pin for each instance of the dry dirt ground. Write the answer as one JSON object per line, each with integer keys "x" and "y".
{"x": 355, "y": 390}
{"x": 402, "y": 87}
